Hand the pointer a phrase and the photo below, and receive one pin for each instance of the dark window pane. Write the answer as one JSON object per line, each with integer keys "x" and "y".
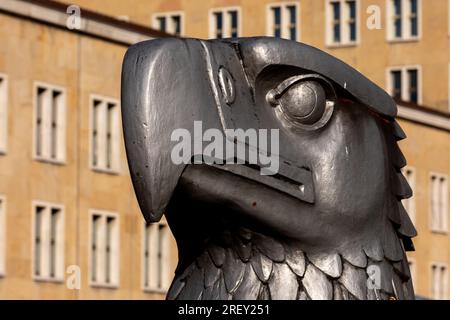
{"x": 414, "y": 18}
{"x": 176, "y": 25}
{"x": 413, "y": 89}
{"x": 336, "y": 21}
{"x": 219, "y": 24}
{"x": 276, "y": 22}
{"x": 398, "y": 18}
{"x": 336, "y": 10}
{"x": 397, "y": 7}
{"x": 292, "y": 22}
{"x": 234, "y": 24}
{"x": 397, "y": 84}
{"x": 352, "y": 20}
{"x": 414, "y": 6}
{"x": 162, "y": 23}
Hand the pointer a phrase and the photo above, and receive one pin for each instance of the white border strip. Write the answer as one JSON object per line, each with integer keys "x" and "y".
{"x": 424, "y": 117}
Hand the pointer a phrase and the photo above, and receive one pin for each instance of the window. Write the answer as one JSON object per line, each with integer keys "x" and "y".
{"x": 156, "y": 270}
{"x": 404, "y": 83}
{"x": 224, "y": 23}
{"x": 403, "y": 19}
{"x": 50, "y": 123}
{"x": 48, "y": 241}
{"x": 410, "y": 204}
{"x": 170, "y": 22}
{"x": 3, "y": 113}
{"x": 439, "y": 202}
{"x": 2, "y": 235}
{"x": 283, "y": 20}
{"x": 105, "y": 134}
{"x": 342, "y": 22}
{"x": 439, "y": 281}
{"x": 104, "y": 249}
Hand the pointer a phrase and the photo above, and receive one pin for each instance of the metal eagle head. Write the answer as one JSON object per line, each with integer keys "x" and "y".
{"x": 328, "y": 223}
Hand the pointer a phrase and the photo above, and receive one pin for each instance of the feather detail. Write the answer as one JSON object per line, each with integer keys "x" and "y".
{"x": 316, "y": 284}
{"x": 269, "y": 247}
{"x": 398, "y": 132}
{"x": 249, "y": 287}
{"x": 354, "y": 280}
{"x": 233, "y": 271}
{"x": 283, "y": 284}
{"x": 262, "y": 266}
{"x": 328, "y": 263}
{"x": 295, "y": 259}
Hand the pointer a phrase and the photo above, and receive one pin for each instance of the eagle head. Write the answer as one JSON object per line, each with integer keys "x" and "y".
{"x": 313, "y": 208}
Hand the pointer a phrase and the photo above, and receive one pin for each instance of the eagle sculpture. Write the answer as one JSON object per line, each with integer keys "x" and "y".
{"x": 328, "y": 224}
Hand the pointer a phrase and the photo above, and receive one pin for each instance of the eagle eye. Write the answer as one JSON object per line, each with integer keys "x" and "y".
{"x": 304, "y": 101}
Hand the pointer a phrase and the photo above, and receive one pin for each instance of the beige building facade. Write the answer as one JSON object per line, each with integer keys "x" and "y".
{"x": 85, "y": 192}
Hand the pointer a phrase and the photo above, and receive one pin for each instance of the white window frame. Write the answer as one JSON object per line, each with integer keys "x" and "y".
{"x": 60, "y": 249}
{"x": 344, "y": 28}
{"x": 3, "y": 229}
{"x": 406, "y": 28}
{"x": 410, "y": 203}
{"x": 405, "y": 83}
{"x": 226, "y": 21}
{"x": 445, "y": 205}
{"x": 439, "y": 265}
{"x": 116, "y": 137}
{"x": 61, "y": 126}
{"x": 115, "y": 258}
{"x": 165, "y": 259}
{"x": 168, "y": 16}
{"x": 284, "y": 19}
{"x": 3, "y": 113}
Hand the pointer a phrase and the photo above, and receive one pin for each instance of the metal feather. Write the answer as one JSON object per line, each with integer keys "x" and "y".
{"x": 269, "y": 247}
{"x": 249, "y": 287}
{"x": 329, "y": 263}
{"x": 262, "y": 266}
{"x": 283, "y": 284}
{"x": 217, "y": 254}
{"x": 233, "y": 271}
{"x": 295, "y": 258}
{"x": 354, "y": 280}
{"x": 316, "y": 284}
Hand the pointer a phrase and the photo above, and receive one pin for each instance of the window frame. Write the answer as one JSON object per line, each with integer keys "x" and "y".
{"x": 445, "y": 210}
{"x": 404, "y": 79}
{"x": 61, "y": 148}
{"x": 59, "y": 277}
{"x": 439, "y": 264}
{"x": 344, "y": 27}
{"x": 116, "y": 145}
{"x": 390, "y": 29}
{"x": 4, "y": 92}
{"x": 148, "y": 288}
{"x": 115, "y": 283}
{"x": 284, "y": 21}
{"x": 226, "y": 25}
{"x": 412, "y": 200}
{"x": 168, "y": 15}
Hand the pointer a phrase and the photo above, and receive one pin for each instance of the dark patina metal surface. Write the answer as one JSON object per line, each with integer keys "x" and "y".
{"x": 319, "y": 227}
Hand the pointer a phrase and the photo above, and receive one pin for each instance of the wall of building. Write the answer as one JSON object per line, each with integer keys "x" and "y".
{"x": 84, "y": 66}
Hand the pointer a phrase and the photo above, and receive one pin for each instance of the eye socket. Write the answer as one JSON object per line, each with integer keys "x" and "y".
{"x": 304, "y": 101}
